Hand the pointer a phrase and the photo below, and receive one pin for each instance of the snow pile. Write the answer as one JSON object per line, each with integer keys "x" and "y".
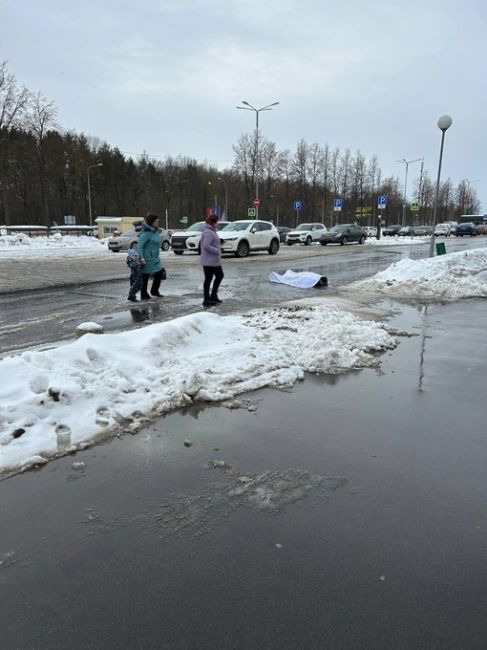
{"x": 21, "y": 244}
{"x": 397, "y": 241}
{"x": 442, "y": 278}
{"x": 60, "y": 399}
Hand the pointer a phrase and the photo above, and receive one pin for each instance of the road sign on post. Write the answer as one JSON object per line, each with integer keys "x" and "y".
{"x": 381, "y": 201}
{"x": 297, "y": 207}
{"x": 256, "y": 202}
{"x": 251, "y": 212}
{"x": 337, "y": 205}
{"x": 183, "y": 220}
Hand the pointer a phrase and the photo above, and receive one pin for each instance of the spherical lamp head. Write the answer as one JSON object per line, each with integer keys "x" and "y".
{"x": 444, "y": 122}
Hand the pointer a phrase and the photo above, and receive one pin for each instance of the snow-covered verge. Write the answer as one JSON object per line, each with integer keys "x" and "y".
{"x": 21, "y": 245}
{"x": 397, "y": 241}
{"x": 442, "y": 278}
{"x": 62, "y": 399}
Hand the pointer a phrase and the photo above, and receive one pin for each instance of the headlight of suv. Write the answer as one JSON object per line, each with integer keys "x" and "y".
{"x": 229, "y": 239}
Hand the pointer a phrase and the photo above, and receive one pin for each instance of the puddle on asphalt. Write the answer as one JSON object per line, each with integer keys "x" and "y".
{"x": 191, "y": 516}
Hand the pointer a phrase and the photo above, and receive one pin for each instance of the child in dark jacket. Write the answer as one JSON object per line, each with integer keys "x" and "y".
{"x": 133, "y": 261}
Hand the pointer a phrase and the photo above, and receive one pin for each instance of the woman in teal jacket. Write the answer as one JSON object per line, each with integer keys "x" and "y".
{"x": 149, "y": 248}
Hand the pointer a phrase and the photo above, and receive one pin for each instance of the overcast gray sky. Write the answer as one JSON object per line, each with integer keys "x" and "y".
{"x": 164, "y": 76}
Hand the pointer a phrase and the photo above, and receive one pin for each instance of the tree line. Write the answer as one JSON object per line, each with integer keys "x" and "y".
{"x": 44, "y": 176}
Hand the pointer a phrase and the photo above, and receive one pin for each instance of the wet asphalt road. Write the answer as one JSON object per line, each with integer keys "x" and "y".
{"x": 32, "y": 318}
{"x": 151, "y": 547}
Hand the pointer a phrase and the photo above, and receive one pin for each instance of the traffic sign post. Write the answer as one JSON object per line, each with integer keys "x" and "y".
{"x": 297, "y": 208}
{"x": 337, "y": 206}
{"x": 251, "y": 212}
{"x": 183, "y": 220}
{"x": 382, "y": 201}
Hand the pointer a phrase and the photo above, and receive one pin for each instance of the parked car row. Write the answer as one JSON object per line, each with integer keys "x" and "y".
{"x": 246, "y": 235}
{"x": 122, "y": 241}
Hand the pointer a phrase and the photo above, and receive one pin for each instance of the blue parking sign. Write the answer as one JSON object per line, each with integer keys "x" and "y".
{"x": 298, "y": 205}
{"x": 382, "y": 201}
{"x": 337, "y": 205}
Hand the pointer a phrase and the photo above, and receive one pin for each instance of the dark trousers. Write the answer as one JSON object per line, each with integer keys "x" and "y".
{"x": 135, "y": 282}
{"x": 156, "y": 282}
{"x": 210, "y": 273}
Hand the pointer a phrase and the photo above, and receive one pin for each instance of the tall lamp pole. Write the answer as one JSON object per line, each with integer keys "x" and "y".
{"x": 249, "y": 107}
{"x": 89, "y": 190}
{"x": 469, "y": 195}
{"x": 444, "y": 123}
{"x": 226, "y": 196}
{"x": 407, "y": 163}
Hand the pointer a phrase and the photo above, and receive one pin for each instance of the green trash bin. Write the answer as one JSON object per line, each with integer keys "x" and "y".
{"x": 441, "y": 248}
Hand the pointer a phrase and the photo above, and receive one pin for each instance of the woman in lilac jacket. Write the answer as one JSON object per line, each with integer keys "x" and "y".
{"x": 211, "y": 261}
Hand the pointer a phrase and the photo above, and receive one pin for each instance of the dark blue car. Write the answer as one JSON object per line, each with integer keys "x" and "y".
{"x": 465, "y": 229}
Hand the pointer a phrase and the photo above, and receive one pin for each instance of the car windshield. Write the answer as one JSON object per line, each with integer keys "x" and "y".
{"x": 238, "y": 226}
{"x": 131, "y": 233}
{"x": 304, "y": 226}
{"x": 221, "y": 225}
{"x": 197, "y": 227}
{"x": 339, "y": 228}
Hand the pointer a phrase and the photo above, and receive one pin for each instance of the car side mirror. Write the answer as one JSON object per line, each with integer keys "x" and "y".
{"x": 253, "y": 229}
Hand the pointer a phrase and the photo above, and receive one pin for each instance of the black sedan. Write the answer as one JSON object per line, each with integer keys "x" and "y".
{"x": 283, "y": 231}
{"x": 343, "y": 234}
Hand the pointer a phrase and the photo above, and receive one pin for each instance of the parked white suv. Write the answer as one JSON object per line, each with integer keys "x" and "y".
{"x": 305, "y": 233}
{"x": 243, "y": 237}
{"x": 193, "y": 242}
{"x": 442, "y": 230}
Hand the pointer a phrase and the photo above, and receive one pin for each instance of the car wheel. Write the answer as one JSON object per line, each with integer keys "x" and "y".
{"x": 178, "y": 252}
{"x": 308, "y": 241}
{"x": 361, "y": 240}
{"x": 289, "y": 243}
{"x": 344, "y": 241}
{"x": 274, "y": 247}
{"x": 165, "y": 245}
{"x": 242, "y": 249}
{"x": 323, "y": 243}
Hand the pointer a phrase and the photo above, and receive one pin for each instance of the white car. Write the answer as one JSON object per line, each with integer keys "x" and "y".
{"x": 193, "y": 242}
{"x": 442, "y": 230}
{"x": 243, "y": 237}
{"x": 305, "y": 233}
{"x": 370, "y": 231}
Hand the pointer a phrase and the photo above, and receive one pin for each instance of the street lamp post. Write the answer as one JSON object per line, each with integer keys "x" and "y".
{"x": 469, "y": 195}
{"x": 89, "y": 189}
{"x": 226, "y": 196}
{"x": 407, "y": 163}
{"x": 249, "y": 107}
{"x": 444, "y": 124}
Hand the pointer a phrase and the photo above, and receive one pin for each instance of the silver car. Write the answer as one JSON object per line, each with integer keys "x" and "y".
{"x": 125, "y": 240}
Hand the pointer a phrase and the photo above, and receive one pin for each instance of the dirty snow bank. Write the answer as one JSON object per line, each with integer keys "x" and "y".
{"x": 59, "y": 399}
{"x": 442, "y": 278}
{"x": 21, "y": 245}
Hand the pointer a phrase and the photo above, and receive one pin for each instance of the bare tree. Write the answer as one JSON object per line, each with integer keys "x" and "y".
{"x": 13, "y": 103}
{"x": 41, "y": 118}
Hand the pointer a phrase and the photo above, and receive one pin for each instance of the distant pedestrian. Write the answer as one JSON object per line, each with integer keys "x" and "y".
{"x": 149, "y": 248}
{"x": 211, "y": 261}
{"x": 133, "y": 262}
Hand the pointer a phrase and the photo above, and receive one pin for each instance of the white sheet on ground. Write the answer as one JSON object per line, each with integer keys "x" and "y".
{"x": 301, "y": 279}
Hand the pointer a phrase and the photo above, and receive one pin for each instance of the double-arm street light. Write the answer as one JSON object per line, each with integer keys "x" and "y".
{"x": 407, "y": 163}
{"x": 469, "y": 193}
{"x": 89, "y": 189}
{"x": 444, "y": 124}
{"x": 249, "y": 107}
